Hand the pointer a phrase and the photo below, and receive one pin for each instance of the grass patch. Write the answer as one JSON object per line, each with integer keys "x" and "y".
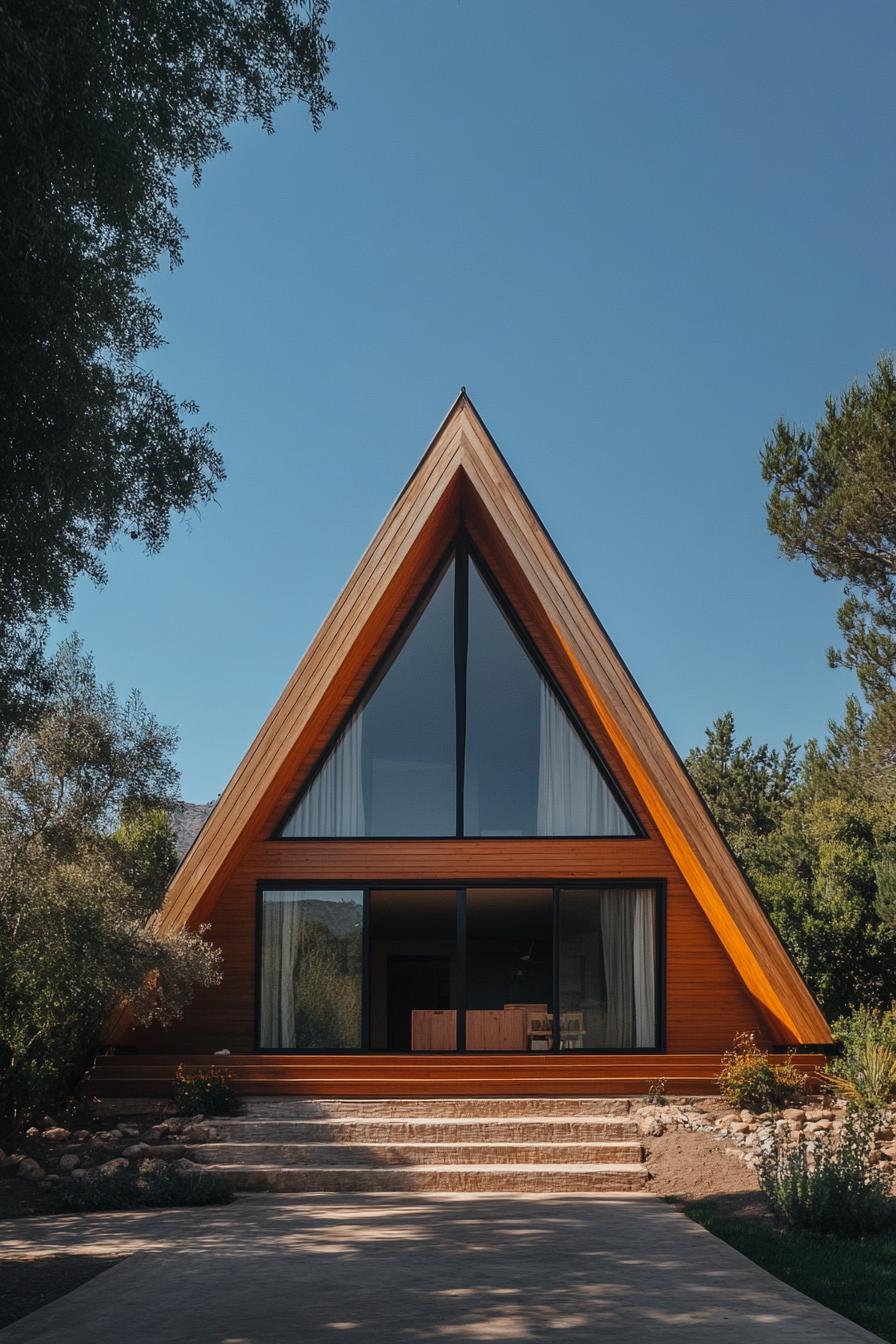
{"x": 855, "y": 1277}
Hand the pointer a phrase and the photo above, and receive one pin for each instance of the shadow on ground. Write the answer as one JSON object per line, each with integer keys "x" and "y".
{"x": 413, "y": 1268}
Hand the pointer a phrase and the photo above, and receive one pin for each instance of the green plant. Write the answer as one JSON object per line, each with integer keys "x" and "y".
{"x": 135, "y": 1189}
{"x": 835, "y": 1191}
{"x": 205, "y": 1092}
{"x": 865, "y": 1071}
{"x": 656, "y": 1091}
{"x": 749, "y": 1080}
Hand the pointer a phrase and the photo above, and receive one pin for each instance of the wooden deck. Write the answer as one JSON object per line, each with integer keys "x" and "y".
{"x": 391, "y": 1075}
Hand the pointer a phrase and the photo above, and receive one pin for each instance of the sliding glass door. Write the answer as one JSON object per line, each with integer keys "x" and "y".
{"x": 522, "y": 968}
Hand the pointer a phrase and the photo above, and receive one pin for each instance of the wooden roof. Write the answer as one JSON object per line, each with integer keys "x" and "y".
{"x": 463, "y": 475}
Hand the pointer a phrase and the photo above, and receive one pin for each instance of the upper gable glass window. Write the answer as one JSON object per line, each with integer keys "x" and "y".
{"x": 527, "y": 770}
{"x": 460, "y": 673}
{"x": 391, "y": 771}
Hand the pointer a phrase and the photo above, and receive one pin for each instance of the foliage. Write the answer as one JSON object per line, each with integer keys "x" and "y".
{"x": 856, "y": 1278}
{"x": 833, "y": 500}
{"x": 749, "y": 1080}
{"x": 865, "y": 1071}
{"x": 205, "y": 1092}
{"x": 85, "y": 856}
{"x": 164, "y": 1188}
{"x": 839, "y": 1193}
{"x": 103, "y": 108}
{"x": 327, "y": 987}
{"x": 815, "y": 840}
{"x": 746, "y": 788}
{"x": 656, "y": 1090}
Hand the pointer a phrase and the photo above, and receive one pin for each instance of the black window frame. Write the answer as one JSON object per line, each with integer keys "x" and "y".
{"x": 461, "y": 551}
{"x": 656, "y": 884}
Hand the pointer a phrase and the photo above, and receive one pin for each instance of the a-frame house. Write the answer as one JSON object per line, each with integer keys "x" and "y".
{"x": 461, "y": 854}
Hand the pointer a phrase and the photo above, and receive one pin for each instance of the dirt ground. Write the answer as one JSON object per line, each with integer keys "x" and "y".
{"x": 686, "y": 1167}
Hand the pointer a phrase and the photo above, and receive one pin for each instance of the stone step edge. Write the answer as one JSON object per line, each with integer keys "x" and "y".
{"x": 490, "y": 1169}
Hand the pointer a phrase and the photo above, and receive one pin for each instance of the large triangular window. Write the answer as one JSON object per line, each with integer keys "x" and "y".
{"x": 460, "y": 733}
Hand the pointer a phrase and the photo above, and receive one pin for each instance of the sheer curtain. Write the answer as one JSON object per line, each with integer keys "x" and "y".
{"x": 644, "y": 967}
{"x": 282, "y": 915}
{"x": 334, "y": 804}
{"x": 628, "y": 943}
{"x": 573, "y": 798}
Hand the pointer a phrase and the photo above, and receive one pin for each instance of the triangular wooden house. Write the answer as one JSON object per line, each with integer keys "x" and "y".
{"x": 461, "y": 854}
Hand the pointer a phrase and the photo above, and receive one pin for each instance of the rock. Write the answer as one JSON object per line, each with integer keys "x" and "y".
{"x": 184, "y": 1164}
{"x": 137, "y": 1150}
{"x": 81, "y": 1135}
{"x": 68, "y": 1161}
{"x": 729, "y": 1119}
{"x": 794, "y": 1114}
{"x": 115, "y": 1134}
{"x": 57, "y": 1134}
{"x": 30, "y": 1170}
{"x": 822, "y": 1126}
{"x": 195, "y": 1133}
{"x": 740, "y": 1127}
{"x": 829, "y": 1115}
{"x": 32, "y": 1132}
{"x": 222, "y": 1052}
{"x": 746, "y": 1115}
{"x": 875, "y": 1156}
{"x": 890, "y": 1152}
{"x": 161, "y": 1129}
{"x": 169, "y": 1152}
{"x": 151, "y": 1166}
{"x": 116, "y": 1164}
{"x": 48, "y": 1182}
{"x": 650, "y": 1126}
{"x": 11, "y": 1160}
{"x": 78, "y": 1174}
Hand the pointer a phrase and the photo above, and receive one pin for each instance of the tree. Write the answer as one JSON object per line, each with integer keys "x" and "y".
{"x": 86, "y": 853}
{"x": 101, "y": 107}
{"x": 746, "y": 788}
{"x": 817, "y": 844}
{"x": 833, "y": 500}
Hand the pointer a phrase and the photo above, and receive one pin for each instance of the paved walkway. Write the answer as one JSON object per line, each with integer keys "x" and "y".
{"x": 374, "y": 1268}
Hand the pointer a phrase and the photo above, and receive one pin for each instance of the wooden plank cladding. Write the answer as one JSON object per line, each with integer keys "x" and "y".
{"x": 425, "y": 1075}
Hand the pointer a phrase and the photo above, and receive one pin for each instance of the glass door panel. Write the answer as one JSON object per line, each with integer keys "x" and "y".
{"x": 509, "y": 968}
{"x": 413, "y": 970}
{"x": 311, "y": 970}
{"x": 607, "y": 959}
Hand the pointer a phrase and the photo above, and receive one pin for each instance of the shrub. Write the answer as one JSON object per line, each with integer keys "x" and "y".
{"x": 865, "y": 1072}
{"x": 205, "y": 1092}
{"x": 839, "y": 1193}
{"x": 749, "y": 1080}
{"x": 169, "y": 1188}
{"x": 656, "y": 1091}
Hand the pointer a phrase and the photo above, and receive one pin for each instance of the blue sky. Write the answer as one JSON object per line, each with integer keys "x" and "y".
{"x": 638, "y": 233}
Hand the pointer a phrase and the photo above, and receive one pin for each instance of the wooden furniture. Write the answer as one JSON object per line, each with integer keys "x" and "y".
{"x": 496, "y": 1029}
{"x": 539, "y": 1029}
{"x": 434, "y": 1029}
{"x": 572, "y": 1031}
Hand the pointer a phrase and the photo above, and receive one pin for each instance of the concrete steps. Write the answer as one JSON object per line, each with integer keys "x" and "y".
{"x": 450, "y": 1143}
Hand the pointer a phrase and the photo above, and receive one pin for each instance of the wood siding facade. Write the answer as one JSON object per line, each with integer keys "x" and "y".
{"x": 724, "y": 968}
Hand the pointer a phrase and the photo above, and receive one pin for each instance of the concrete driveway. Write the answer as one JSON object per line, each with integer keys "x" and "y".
{"x": 278, "y": 1269}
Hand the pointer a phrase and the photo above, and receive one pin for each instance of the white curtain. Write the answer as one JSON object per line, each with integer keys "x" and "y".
{"x": 616, "y": 922}
{"x": 282, "y": 916}
{"x": 644, "y": 967}
{"x": 573, "y": 799}
{"x": 629, "y": 966}
{"x": 334, "y": 804}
